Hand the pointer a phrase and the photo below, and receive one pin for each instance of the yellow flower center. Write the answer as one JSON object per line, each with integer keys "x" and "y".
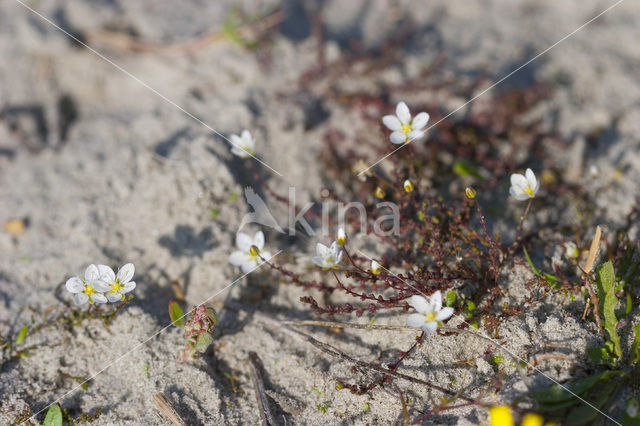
{"x": 529, "y": 192}
{"x": 116, "y": 287}
{"x": 430, "y": 316}
{"x": 89, "y": 290}
{"x": 254, "y": 252}
{"x": 406, "y": 128}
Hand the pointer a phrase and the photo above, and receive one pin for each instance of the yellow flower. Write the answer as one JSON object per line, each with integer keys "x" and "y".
{"x": 500, "y": 416}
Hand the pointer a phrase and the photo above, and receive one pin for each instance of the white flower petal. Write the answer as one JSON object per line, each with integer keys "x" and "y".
{"x": 106, "y": 274}
{"x": 416, "y": 134}
{"x": 246, "y": 136}
{"x": 392, "y": 122}
{"x": 99, "y": 298}
{"x": 114, "y": 297}
{"x": 338, "y": 258}
{"x": 322, "y": 250}
{"x": 420, "y": 120}
{"x": 100, "y": 286}
{"x": 518, "y": 180}
{"x": 266, "y": 255}
{"x": 74, "y": 285}
{"x": 430, "y": 327}
{"x": 397, "y": 138}
{"x": 239, "y": 152}
{"x": 128, "y": 287}
{"x": 125, "y": 273}
{"x": 403, "y": 113}
{"x": 243, "y": 241}
{"x": 249, "y": 265}
{"x": 444, "y": 314}
{"x": 436, "y": 301}
{"x": 80, "y": 299}
{"x": 415, "y": 320}
{"x": 419, "y": 303}
{"x": 258, "y": 240}
{"x": 91, "y": 273}
{"x": 531, "y": 178}
{"x": 237, "y": 258}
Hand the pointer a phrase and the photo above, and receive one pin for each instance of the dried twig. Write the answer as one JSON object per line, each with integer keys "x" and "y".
{"x": 127, "y": 42}
{"x": 258, "y": 385}
{"x": 586, "y": 279}
{"x": 168, "y": 410}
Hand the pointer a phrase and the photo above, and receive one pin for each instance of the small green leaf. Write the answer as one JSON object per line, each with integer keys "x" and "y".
{"x": 22, "y": 334}
{"x": 533, "y": 268}
{"x": 450, "y": 298}
{"x": 53, "y": 417}
{"x": 465, "y": 167}
{"x": 204, "y": 341}
{"x": 176, "y": 314}
{"x": 635, "y": 346}
{"x": 606, "y": 279}
{"x": 213, "y": 213}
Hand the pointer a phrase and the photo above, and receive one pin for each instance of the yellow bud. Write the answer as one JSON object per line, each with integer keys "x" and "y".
{"x": 380, "y": 193}
{"x": 470, "y": 192}
{"x": 254, "y": 251}
{"x": 408, "y": 186}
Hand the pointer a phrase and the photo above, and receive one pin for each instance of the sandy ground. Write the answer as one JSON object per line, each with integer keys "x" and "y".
{"x": 106, "y": 171}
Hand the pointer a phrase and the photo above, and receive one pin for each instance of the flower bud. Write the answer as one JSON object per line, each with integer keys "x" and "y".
{"x": 376, "y": 268}
{"x": 408, "y": 186}
{"x": 380, "y": 193}
{"x": 470, "y": 192}
{"x": 341, "y": 239}
{"x": 571, "y": 250}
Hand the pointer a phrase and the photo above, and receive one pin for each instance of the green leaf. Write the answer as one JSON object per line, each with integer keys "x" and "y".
{"x": 204, "y": 340}
{"x": 213, "y": 213}
{"x": 606, "y": 279}
{"x": 597, "y": 389}
{"x": 22, "y": 334}
{"x": 533, "y": 267}
{"x": 635, "y": 346}
{"x": 53, "y": 417}
{"x": 450, "y": 298}
{"x": 176, "y": 314}
{"x": 465, "y": 167}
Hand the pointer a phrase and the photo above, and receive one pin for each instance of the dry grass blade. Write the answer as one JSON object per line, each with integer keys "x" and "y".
{"x": 593, "y": 250}
{"x": 168, "y": 410}
{"x": 258, "y": 385}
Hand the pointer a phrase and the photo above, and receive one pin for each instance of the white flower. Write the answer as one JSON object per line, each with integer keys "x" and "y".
{"x": 248, "y": 257}
{"x": 119, "y": 284}
{"x": 328, "y": 257}
{"x": 403, "y": 127}
{"x": 571, "y": 250}
{"x": 376, "y": 268}
{"x": 430, "y": 312}
{"x": 341, "y": 239}
{"x": 244, "y": 145}
{"x": 90, "y": 289}
{"x": 524, "y": 186}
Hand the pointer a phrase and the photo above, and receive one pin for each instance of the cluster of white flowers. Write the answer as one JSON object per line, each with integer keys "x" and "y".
{"x": 251, "y": 252}
{"x": 101, "y": 284}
